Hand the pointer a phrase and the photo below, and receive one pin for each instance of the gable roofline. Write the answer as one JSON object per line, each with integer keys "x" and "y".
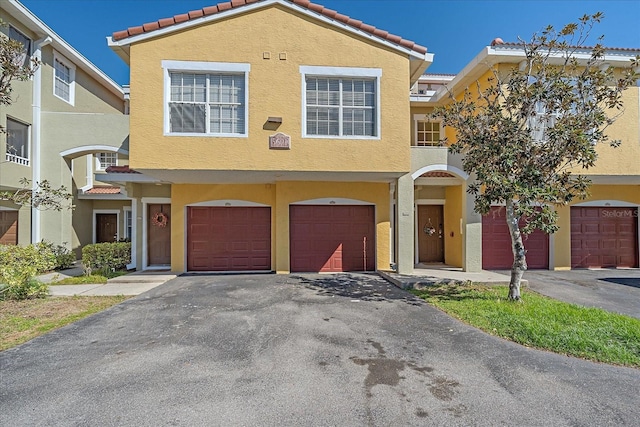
{"x": 513, "y": 53}
{"x": 27, "y": 18}
{"x": 119, "y": 41}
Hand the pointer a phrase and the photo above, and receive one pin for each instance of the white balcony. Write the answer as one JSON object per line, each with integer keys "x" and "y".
{"x": 17, "y": 159}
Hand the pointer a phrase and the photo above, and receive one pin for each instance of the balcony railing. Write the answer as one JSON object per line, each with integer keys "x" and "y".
{"x": 17, "y": 159}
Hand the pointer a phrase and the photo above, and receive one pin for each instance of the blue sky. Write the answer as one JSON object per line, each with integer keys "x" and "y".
{"x": 455, "y": 31}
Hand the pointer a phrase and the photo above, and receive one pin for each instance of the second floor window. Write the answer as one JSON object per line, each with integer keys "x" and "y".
{"x": 340, "y": 106}
{"x": 428, "y": 133}
{"x": 107, "y": 159}
{"x": 207, "y": 103}
{"x": 26, "y": 45}
{"x": 64, "y": 79}
{"x": 17, "y": 142}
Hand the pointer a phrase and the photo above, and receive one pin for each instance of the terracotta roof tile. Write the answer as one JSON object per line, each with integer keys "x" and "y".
{"x": 221, "y": 7}
{"x": 103, "y": 190}
{"x": 437, "y": 174}
{"x": 618, "y": 49}
{"x": 120, "y": 169}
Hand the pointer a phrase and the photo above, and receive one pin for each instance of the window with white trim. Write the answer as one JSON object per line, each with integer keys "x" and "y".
{"x": 341, "y": 102}
{"x": 428, "y": 133}
{"x": 128, "y": 224}
{"x": 17, "y": 149}
{"x": 64, "y": 74}
{"x": 540, "y": 121}
{"x": 205, "y": 98}
{"x": 25, "y": 56}
{"x": 104, "y": 160}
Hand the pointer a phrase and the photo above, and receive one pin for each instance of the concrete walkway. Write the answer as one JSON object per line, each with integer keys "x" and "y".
{"x": 130, "y": 284}
{"x": 440, "y": 273}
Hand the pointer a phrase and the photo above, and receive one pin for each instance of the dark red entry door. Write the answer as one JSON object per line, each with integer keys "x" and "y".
{"x": 332, "y": 238}
{"x": 228, "y": 238}
{"x": 496, "y": 244}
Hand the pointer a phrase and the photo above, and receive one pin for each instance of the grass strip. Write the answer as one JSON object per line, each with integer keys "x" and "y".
{"x": 81, "y": 280}
{"x": 21, "y": 321}
{"x": 541, "y": 322}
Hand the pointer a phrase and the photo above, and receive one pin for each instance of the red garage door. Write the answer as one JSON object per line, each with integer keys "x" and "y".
{"x": 332, "y": 238}
{"x": 228, "y": 238}
{"x": 604, "y": 237}
{"x": 496, "y": 244}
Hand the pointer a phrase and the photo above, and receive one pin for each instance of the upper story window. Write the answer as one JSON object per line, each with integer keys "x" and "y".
{"x": 17, "y": 150}
{"x": 26, "y": 45}
{"x": 107, "y": 159}
{"x": 341, "y": 102}
{"x": 540, "y": 121}
{"x": 63, "y": 79}
{"x": 427, "y": 133}
{"x": 205, "y": 98}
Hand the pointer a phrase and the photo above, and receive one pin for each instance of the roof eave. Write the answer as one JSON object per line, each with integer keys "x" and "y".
{"x": 254, "y": 6}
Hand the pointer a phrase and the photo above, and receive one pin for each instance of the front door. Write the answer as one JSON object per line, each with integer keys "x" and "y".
{"x": 159, "y": 233}
{"x": 106, "y": 228}
{"x": 430, "y": 234}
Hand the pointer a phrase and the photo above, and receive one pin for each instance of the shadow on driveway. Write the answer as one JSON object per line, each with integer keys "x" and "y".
{"x": 634, "y": 282}
{"x": 361, "y": 286}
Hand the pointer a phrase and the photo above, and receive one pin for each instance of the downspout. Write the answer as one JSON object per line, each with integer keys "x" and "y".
{"x": 35, "y": 136}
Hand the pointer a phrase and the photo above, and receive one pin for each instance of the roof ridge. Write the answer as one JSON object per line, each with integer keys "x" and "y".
{"x": 222, "y": 7}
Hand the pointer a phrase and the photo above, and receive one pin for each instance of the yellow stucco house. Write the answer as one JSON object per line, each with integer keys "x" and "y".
{"x": 278, "y": 135}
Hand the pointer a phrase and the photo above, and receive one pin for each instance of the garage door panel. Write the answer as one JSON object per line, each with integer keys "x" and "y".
{"x": 616, "y": 243}
{"x": 334, "y": 241}
{"x": 229, "y": 238}
{"x": 497, "y": 253}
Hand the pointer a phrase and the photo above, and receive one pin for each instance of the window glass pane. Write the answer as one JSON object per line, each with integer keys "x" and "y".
{"x": 187, "y": 118}
{"x": 107, "y": 159}
{"x": 17, "y": 139}
{"x": 62, "y": 80}
{"x": 16, "y": 35}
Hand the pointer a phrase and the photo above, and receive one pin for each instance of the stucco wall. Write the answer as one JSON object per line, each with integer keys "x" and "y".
{"x": 274, "y": 90}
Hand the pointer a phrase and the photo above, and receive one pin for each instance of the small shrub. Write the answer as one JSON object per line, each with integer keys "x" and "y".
{"x": 106, "y": 257}
{"x": 64, "y": 257}
{"x": 19, "y": 265}
{"x": 30, "y": 289}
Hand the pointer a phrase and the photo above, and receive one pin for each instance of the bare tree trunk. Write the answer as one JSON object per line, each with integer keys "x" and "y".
{"x": 519, "y": 260}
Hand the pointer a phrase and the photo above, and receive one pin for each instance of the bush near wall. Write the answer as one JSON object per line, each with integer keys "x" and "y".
{"x": 106, "y": 257}
{"x": 64, "y": 257}
{"x": 19, "y": 265}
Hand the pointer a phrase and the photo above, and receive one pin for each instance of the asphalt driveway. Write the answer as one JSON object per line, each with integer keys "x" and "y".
{"x": 311, "y": 350}
{"x": 616, "y": 290}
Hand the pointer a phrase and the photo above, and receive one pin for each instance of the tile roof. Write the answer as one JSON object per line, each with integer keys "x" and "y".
{"x": 120, "y": 169}
{"x": 221, "y": 7}
{"x": 606, "y": 48}
{"x": 437, "y": 174}
{"x": 103, "y": 190}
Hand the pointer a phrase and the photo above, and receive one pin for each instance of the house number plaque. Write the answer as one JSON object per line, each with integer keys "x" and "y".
{"x": 280, "y": 141}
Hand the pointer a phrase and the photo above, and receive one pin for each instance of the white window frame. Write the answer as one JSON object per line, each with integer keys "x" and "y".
{"x": 169, "y": 66}
{"x": 128, "y": 223}
{"x": 29, "y": 51}
{"x": 340, "y": 72}
{"x": 423, "y": 118}
{"x": 99, "y": 163}
{"x": 72, "y": 77}
{"x": 12, "y": 157}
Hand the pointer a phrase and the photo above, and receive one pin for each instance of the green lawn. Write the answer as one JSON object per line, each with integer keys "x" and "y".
{"x": 21, "y": 321}
{"x": 541, "y": 322}
{"x": 81, "y": 280}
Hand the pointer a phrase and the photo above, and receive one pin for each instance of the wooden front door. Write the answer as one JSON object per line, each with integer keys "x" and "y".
{"x": 159, "y": 234}
{"x": 106, "y": 228}
{"x": 430, "y": 233}
{"x": 8, "y": 227}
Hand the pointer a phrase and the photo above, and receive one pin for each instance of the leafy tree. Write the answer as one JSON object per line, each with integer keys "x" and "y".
{"x": 15, "y": 67}
{"x": 525, "y": 133}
